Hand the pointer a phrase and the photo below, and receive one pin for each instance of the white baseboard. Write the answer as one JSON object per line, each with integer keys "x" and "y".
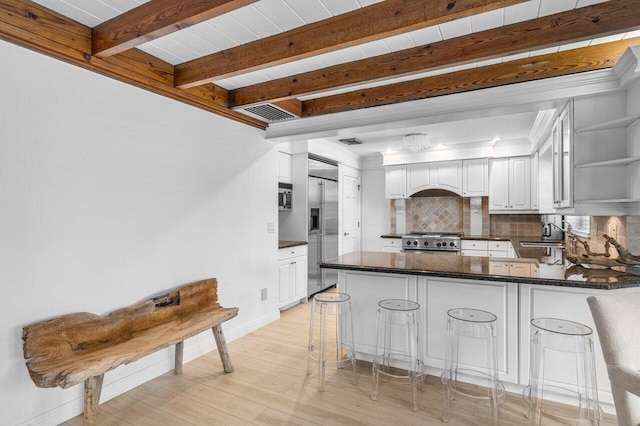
{"x": 194, "y": 348}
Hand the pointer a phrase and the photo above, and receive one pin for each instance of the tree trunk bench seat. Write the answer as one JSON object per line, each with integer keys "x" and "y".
{"x": 81, "y": 347}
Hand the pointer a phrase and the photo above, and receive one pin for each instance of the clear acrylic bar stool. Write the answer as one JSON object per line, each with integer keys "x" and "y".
{"x": 570, "y": 337}
{"x": 480, "y": 326}
{"x": 398, "y": 342}
{"x": 338, "y": 336}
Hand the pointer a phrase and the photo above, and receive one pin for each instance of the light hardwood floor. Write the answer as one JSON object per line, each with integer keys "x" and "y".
{"x": 270, "y": 387}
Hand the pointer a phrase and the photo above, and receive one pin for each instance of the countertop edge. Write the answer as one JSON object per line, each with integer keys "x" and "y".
{"x": 287, "y": 244}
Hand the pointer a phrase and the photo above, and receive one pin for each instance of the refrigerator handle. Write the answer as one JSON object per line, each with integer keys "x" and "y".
{"x": 321, "y": 210}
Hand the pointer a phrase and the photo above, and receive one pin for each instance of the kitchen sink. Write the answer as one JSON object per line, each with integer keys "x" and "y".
{"x": 542, "y": 244}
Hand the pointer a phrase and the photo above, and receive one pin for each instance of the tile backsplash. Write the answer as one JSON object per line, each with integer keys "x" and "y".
{"x": 526, "y": 225}
{"x": 432, "y": 214}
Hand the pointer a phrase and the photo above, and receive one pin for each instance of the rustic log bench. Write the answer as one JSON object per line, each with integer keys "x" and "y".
{"x": 81, "y": 347}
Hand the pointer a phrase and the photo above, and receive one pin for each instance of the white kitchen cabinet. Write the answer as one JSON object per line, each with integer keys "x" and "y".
{"x": 513, "y": 268}
{"x": 445, "y": 175}
{"x": 562, "y": 158}
{"x": 566, "y": 303}
{"x": 396, "y": 181}
{"x": 475, "y": 178}
{"x": 438, "y": 295}
{"x": 392, "y": 245}
{"x": 535, "y": 160}
{"x": 474, "y": 247}
{"x": 284, "y": 167}
{"x": 418, "y": 177}
{"x": 293, "y": 270}
{"x": 366, "y": 290}
{"x": 510, "y": 184}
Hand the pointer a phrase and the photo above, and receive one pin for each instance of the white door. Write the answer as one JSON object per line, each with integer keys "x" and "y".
{"x": 350, "y": 214}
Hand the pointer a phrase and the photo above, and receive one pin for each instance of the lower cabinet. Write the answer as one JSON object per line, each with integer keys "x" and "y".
{"x": 516, "y": 268}
{"x": 439, "y": 295}
{"x": 392, "y": 245}
{"x": 514, "y": 304}
{"x": 538, "y": 301}
{"x": 293, "y": 271}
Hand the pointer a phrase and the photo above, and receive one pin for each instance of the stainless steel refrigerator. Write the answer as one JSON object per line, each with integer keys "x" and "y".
{"x": 323, "y": 223}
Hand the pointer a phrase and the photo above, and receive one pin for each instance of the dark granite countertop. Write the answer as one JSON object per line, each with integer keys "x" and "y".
{"x": 552, "y": 268}
{"x": 391, "y": 236}
{"x": 287, "y": 244}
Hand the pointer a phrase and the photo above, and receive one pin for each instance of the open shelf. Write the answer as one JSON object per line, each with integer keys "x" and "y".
{"x": 613, "y": 124}
{"x": 616, "y": 162}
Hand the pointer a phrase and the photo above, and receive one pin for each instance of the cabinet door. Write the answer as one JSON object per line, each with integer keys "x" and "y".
{"x": 299, "y": 277}
{"x": 475, "y": 178}
{"x": 520, "y": 269}
{"x": 499, "y": 185}
{"x": 418, "y": 177}
{"x": 396, "y": 181}
{"x": 284, "y": 283}
{"x": 562, "y": 151}
{"x": 534, "y": 181}
{"x": 520, "y": 183}
{"x": 499, "y": 268}
{"x": 538, "y": 301}
{"x": 284, "y": 167}
{"x": 441, "y": 294}
{"x": 447, "y": 175}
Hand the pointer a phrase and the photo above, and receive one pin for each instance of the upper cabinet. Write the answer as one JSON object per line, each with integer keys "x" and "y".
{"x": 475, "y": 178}
{"x": 562, "y": 158}
{"x": 396, "y": 181}
{"x": 284, "y": 167}
{"x": 510, "y": 184}
{"x": 403, "y": 181}
{"x": 445, "y": 175}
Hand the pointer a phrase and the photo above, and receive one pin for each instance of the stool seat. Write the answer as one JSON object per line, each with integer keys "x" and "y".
{"x": 339, "y": 306}
{"x": 398, "y": 342}
{"x": 560, "y": 335}
{"x": 480, "y": 326}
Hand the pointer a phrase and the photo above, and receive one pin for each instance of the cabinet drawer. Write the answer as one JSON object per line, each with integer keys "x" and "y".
{"x": 482, "y": 253}
{"x": 498, "y": 253}
{"x": 289, "y": 252}
{"x": 474, "y": 245}
{"x": 498, "y": 245}
{"x": 392, "y": 242}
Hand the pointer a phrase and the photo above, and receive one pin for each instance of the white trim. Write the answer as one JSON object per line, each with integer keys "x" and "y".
{"x": 194, "y": 347}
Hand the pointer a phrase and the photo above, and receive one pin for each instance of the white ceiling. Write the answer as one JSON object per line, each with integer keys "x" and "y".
{"x": 268, "y": 17}
{"x": 508, "y": 129}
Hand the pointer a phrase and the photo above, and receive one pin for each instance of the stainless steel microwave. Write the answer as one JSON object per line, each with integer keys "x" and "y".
{"x": 285, "y": 191}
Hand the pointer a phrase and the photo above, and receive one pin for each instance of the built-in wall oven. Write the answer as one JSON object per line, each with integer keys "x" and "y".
{"x": 285, "y": 194}
{"x": 432, "y": 242}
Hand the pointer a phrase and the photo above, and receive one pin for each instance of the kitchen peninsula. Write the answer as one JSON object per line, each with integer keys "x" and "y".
{"x": 442, "y": 282}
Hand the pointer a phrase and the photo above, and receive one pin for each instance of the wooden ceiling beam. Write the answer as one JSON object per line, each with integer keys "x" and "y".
{"x": 535, "y": 68}
{"x": 373, "y": 22}
{"x": 155, "y": 19}
{"x": 602, "y": 19}
{"x": 35, "y": 27}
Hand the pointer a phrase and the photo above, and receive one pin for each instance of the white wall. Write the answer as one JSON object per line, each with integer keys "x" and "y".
{"x": 110, "y": 194}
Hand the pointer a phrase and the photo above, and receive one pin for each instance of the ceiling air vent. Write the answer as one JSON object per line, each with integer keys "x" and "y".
{"x": 270, "y": 113}
{"x": 351, "y": 141}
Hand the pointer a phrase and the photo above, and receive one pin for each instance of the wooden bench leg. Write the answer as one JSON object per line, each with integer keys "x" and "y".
{"x": 92, "y": 389}
{"x": 177, "y": 369}
{"x": 222, "y": 348}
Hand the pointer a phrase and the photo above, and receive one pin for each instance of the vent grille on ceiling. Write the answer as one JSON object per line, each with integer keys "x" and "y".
{"x": 269, "y": 112}
{"x": 351, "y": 141}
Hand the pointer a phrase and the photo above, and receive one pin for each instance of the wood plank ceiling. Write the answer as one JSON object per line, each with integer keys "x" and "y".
{"x": 303, "y": 58}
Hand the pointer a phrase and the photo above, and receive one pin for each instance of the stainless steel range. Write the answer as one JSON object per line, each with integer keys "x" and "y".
{"x": 432, "y": 242}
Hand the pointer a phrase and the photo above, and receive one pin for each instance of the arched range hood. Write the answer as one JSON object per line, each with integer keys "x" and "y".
{"x": 435, "y": 192}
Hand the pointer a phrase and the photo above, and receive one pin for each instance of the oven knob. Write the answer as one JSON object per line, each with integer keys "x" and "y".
{"x": 426, "y": 243}
{"x": 452, "y": 244}
{"x": 408, "y": 243}
{"x": 439, "y": 245}
{"x": 415, "y": 243}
